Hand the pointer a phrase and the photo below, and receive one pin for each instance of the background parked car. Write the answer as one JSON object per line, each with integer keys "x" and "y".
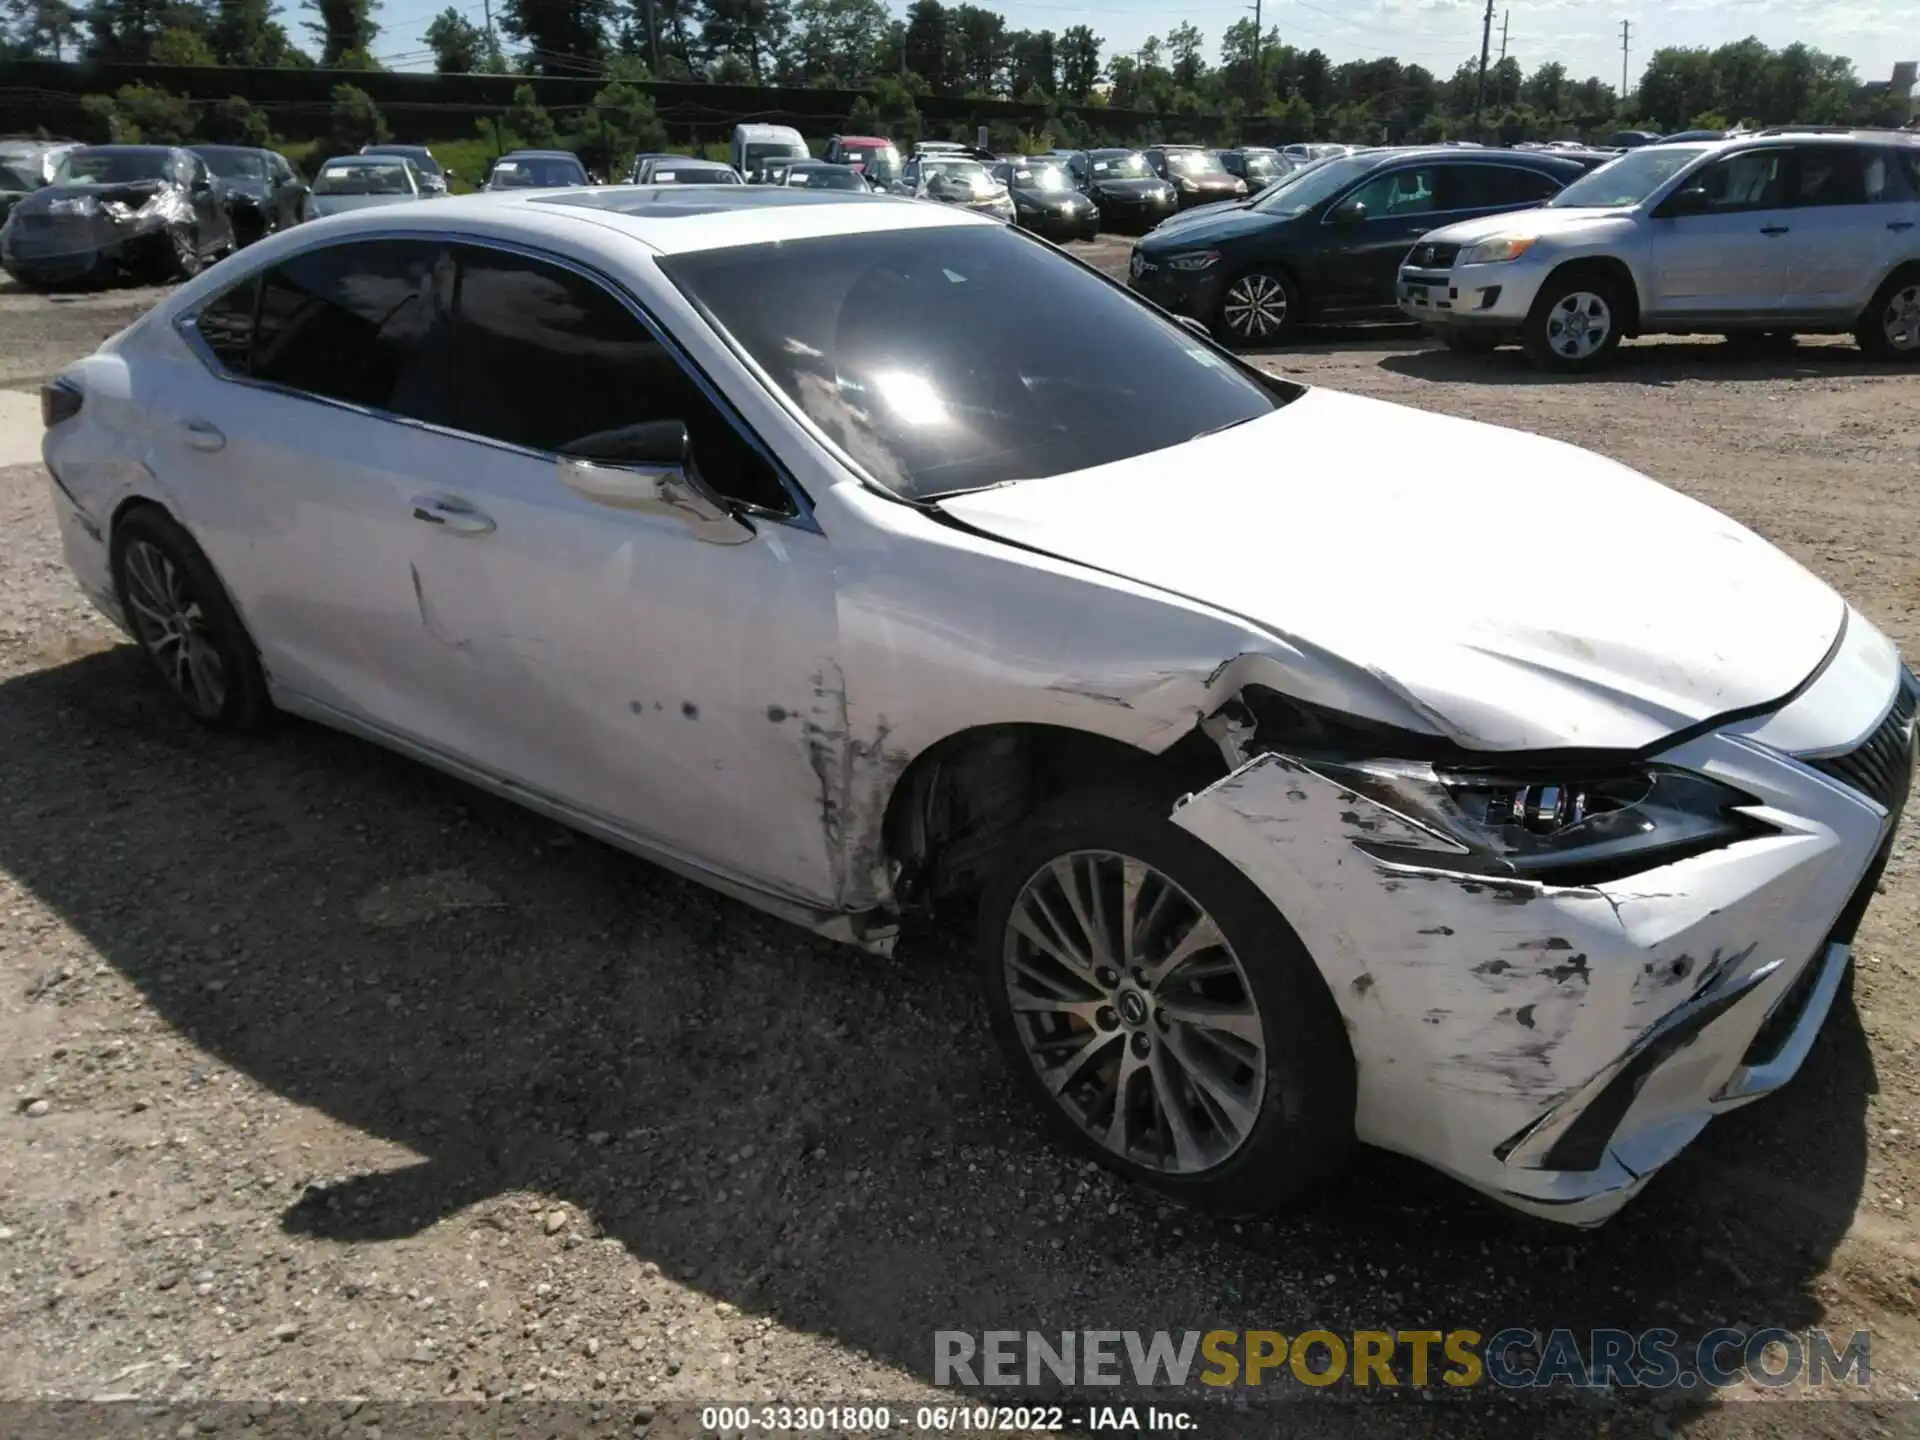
{"x": 151, "y": 210}
{"x": 683, "y": 170}
{"x": 353, "y": 182}
{"x": 1122, "y": 186}
{"x": 639, "y": 162}
{"x": 1257, "y": 165}
{"x": 537, "y": 170}
{"x": 1197, "y": 176}
{"x": 874, "y": 156}
{"x": 754, "y": 146}
{"x": 28, "y": 165}
{"x": 433, "y": 177}
{"x": 1044, "y": 198}
{"x": 263, "y": 191}
{"x": 958, "y": 180}
{"x": 817, "y": 175}
{"x": 1329, "y": 246}
{"x": 1770, "y": 234}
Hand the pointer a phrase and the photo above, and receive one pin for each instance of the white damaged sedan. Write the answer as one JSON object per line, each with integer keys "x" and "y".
{"x": 854, "y": 556}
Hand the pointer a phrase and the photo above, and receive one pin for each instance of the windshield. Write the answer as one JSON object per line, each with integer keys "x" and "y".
{"x": 1262, "y": 168}
{"x": 1299, "y": 192}
{"x": 538, "y": 172}
{"x": 1120, "y": 167}
{"x": 1053, "y": 176}
{"x": 234, "y": 164}
{"x": 970, "y": 174}
{"x": 1628, "y": 180}
{"x": 1194, "y": 162}
{"x": 955, "y": 358}
{"x": 362, "y": 177}
{"x": 827, "y": 177}
{"x": 113, "y": 167}
{"x": 758, "y": 153}
{"x": 880, "y": 160}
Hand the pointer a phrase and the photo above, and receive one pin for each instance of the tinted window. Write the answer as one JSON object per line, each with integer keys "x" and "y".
{"x": 1836, "y": 175}
{"x": 1472, "y": 187}
{"x": 1751, "y": 180}
{"x": 954, "y": 358}
{"x": 226, "y": 324}
{"x": 1909, "y": 161}
{"x": 1399, "y": 192}
{"x": 547, "y": 357}
{"x": 360, "y": 323}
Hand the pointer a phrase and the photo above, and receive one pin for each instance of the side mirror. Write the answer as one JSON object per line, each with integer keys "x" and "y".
{"x": 1691, "y": 201}
{"x": 1351, "y": 213}
{"x": 648, "y": 468}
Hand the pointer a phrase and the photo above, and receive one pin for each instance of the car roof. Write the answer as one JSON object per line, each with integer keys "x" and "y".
{"x": 391, "y": 149}
{"x": 129, "y": 149}
{"x": 863, "y": 140}
{"x": 234, "y": 149}
{"x": 364, "y": 160}
{"x": 539, "y": 155}
{"x": 669, "y": 219}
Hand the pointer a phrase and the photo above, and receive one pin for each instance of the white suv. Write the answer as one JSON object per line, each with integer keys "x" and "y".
{"x": 1775, "y": 233}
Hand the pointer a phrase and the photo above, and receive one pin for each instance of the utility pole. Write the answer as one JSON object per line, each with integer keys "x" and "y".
{"x": 1253, "y": 85}
{"x": 1480, "y": 90}
{"x": 653, "y": 38}
{"x": 1505, "y": 16}
{"x": 1626, "y": 31}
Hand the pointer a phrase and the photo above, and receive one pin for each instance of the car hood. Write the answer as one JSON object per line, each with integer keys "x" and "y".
{"x": 1208, "y": 227}
{"x": 334, "y": 204}
{"x": 1517, "y": 593}
{"x": 1129, "y": 187}
{"x": 1050, "y": 199}
{"x": 1536, "y": 224}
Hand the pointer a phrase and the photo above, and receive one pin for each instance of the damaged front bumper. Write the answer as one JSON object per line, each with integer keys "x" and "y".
{"x": 1554, "y": 1046}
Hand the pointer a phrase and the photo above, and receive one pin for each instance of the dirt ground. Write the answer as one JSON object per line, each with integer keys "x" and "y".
{"x": 327, "y": 1077}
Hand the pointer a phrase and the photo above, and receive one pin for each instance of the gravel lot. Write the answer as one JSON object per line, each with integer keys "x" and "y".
{"x": 328, "y": 1077}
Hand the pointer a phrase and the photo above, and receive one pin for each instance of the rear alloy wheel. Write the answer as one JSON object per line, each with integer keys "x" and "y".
{"x": 1258, "y": 308}
{"x": 1164, "y": 1018}
{"x": 1890, "y": 328}
{"x": 1575, "y": 324}
{"x": 180, "y": 614}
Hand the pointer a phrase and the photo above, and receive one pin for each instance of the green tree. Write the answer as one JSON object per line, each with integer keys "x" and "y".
{"x": 528, "y": 119}
{"x": 178, "y": 45}
{"x": 929, "y": 45}
{"x": 236, "y": 120}
{"x": 895, "y": 114}
{"x": 345, "y": 30}
{"x": 244, "y": 32}
{"x": 751, "y": 32}
{"x": 618, "y": 124}
{"x": 1186, "y": 48}
{"x": 563, "y": 37}
{"x": 49, "y": 28}
{"x": 459, "y": 46}
{"x": 355, "y": 120}
{"x": 142, "y": 115}
{"x": 1078, "y": 51}
{"x": 124, "y": 31}
{"x": 840, "y": 39}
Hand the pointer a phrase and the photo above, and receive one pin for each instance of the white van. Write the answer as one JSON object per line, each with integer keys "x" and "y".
{"x": 755, "y": 145}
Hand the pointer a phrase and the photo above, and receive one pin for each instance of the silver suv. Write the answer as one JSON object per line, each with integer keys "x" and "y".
{"x": 1775, "y": 233}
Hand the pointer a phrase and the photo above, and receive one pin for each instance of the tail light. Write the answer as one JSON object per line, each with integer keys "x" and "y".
{"x": 59, "y": 400}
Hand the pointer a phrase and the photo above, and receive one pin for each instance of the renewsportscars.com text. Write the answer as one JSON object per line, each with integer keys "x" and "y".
{"x": 1512, "y": 1359}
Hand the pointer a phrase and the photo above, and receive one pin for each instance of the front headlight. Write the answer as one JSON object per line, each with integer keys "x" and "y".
{"x": 1492, "y": 252}
{"x": 1572, "y": 826}
{"x": 1549, "y": 821}
{"x": 1194, "y": 260}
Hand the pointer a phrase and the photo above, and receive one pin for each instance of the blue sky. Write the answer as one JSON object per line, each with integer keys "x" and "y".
{"x": 1583, "y": 36}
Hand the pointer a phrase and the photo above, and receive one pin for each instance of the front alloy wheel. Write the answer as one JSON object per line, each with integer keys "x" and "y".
{"x": 1575, "y": 325}
{"x": 1158, "y": 1010}
{"x": 1257, "y": 308}
{"x": 1134, "y": 1011}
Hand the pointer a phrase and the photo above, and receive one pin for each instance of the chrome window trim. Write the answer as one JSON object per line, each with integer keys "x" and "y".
{"x": 185, "y": 324}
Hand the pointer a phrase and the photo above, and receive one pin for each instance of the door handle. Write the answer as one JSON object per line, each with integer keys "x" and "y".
{"x": 1773, "y": 229}
{"x": 1900, "y": 224}
{"x": 203, "y": 435}
{"x": 453, "y": 515}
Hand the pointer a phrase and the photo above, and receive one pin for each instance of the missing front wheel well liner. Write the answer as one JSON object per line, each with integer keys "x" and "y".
{"x": 961, "y": 799}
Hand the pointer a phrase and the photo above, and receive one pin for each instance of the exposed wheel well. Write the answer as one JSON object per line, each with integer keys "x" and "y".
{"x": 960, "y": 800}
{"x": 1615, "y": 271}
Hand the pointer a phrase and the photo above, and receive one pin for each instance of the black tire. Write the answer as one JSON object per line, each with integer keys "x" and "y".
{"x": 1264, "y": 291}
{"x": 1469, "y": 342}
{"x": 148, "y": 535}
{"x": 1303, "y": 1130}
{"x": 1870, "y": 332}
{"x": 1567, "y": 296}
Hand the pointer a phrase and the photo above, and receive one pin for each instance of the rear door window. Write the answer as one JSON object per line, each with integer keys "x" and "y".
{"x": 1490, "y": 187}
{"x": 1826, "y": 175}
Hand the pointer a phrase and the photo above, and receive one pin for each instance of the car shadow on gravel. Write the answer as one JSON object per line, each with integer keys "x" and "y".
{"x": 813, "y": 1134}
{"x": 1650, "y": 364}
